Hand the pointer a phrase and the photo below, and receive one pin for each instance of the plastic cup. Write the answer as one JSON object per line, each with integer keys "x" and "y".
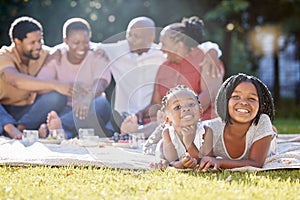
{"x": 30, "y": 136}
{"x": 84, "y": 133}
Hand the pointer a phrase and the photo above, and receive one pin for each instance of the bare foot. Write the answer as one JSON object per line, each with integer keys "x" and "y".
{"x": 43, "y": 131}
{"x": 129, "y": 125}
{"x": 12, "y": 131}
{"x": 21, "y": 128}
{"x": 53, "y": 121}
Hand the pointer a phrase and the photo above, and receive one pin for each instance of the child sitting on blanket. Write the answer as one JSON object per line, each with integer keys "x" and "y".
{"x": 184, "y": 139}
{"x": 243, "y": 133}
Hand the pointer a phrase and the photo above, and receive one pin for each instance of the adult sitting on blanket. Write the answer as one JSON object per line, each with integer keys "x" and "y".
{"x": 90, "y": 108}
{"x": 243, "y": 134}
{"x": 22, "y": 107}
{"x": 170, "y": 73}
{"x": 134, "y": 63}
{"x": 179, "y": 42}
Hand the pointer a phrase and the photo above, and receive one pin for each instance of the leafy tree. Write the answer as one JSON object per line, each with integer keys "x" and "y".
{"x": 238, "y": 17}
{"x": 227, "y": 22}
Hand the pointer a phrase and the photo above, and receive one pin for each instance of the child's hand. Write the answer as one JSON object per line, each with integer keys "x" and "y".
{"x": 208, "y": 162}
{"x": 188, "y": 161}
{"x": 188, "y": 135}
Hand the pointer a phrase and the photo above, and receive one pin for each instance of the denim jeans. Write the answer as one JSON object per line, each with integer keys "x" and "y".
{"x": 32, "y": 116}
{"x": 97, "y": 118}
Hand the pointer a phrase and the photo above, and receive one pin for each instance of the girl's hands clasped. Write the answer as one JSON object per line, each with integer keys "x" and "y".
{"x": 208, "y": 162}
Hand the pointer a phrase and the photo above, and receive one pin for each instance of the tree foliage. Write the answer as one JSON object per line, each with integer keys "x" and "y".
{"x": 227, "y": 22}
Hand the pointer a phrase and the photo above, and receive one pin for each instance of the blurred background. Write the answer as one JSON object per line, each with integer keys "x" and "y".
{"x": 257, "y": 37}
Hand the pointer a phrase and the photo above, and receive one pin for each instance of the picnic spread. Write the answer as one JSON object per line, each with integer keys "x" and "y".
{"x": 103, "y": 152}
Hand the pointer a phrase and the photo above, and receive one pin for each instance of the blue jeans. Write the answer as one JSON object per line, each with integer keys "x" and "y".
{"x": 32, "y": 116}
{"x": 97, "y": 118}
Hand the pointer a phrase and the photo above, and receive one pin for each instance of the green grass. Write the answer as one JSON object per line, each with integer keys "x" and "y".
{"x": 103, "y": 183}
{"x": 290, "y": 125}
{"x": 287, "y": 116}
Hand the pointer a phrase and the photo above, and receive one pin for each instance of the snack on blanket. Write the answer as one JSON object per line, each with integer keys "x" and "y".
{"x": 56, "y": 134}
{"x": 123, "y": 140}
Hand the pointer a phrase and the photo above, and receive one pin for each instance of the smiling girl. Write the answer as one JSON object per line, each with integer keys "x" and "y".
{"x": 184, "y": 139}
{"x": 243, "y": 134}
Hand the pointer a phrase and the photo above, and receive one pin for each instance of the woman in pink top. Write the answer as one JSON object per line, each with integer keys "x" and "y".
{"x": 87, "y": 108}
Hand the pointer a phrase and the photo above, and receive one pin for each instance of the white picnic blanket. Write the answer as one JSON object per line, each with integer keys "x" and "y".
{"x": 287, "y": 157}
{"x": 73, "y": 153}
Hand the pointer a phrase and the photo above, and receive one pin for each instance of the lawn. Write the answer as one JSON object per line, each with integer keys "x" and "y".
{"x": 289, "y": 125}
{"x": 43, "y": 182}
{"x": 287, "y": 117}
{"x": 104, "y": 183}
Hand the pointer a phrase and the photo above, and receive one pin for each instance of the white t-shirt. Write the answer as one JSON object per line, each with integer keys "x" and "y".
{"x": 179, "y": 146}
{"x": 254, "y": 133}
{"x": 134, "y": 75}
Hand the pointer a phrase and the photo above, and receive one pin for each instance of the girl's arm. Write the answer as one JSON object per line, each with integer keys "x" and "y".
{"x": 257, "y": 157}
{"x": 188, "y": 137}
{"x": 207, "y": 146}
{"x": 197, "y": 154}
{"x": 169, "y": 150}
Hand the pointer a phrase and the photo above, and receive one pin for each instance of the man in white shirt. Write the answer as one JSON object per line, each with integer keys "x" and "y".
{"x": 134, "y": 63}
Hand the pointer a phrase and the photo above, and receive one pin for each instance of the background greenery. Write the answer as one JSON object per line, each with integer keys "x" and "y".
{"x": 228, "y": 22}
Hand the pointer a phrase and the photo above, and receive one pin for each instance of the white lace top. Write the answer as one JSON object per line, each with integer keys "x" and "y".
{"x": 179, "y": 146}
{"x": 262, "y": 129}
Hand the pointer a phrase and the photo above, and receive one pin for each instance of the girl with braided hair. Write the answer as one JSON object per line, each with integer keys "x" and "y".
{"x": 243, "y": 133}
{"x": 185, "y": 140}
{"x": 186, "y": 64}
{"x": 181, "y": 44}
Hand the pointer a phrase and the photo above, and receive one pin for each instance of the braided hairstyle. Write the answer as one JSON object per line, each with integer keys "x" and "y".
{"x": 190, "y": 31}
{"x": 266, "y": 104}
{"x": 172, "y": 91}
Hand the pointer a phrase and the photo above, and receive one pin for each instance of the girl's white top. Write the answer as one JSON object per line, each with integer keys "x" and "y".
{"x": 178, "y": 144}
{"x": 254, "y": 133}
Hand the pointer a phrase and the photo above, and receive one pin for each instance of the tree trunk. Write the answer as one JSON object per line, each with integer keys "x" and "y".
{"x": 276, "y": 81}
{"x": 226, "y": 52}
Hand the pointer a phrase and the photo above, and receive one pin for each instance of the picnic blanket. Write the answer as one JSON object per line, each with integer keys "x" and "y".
{"x": 287, "y": 157}
{"x": 74, "y": 153}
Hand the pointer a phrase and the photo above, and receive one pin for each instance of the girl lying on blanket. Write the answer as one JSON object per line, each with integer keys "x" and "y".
{"x": 184, "y": 139}
{"x": 243, "y": 133}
